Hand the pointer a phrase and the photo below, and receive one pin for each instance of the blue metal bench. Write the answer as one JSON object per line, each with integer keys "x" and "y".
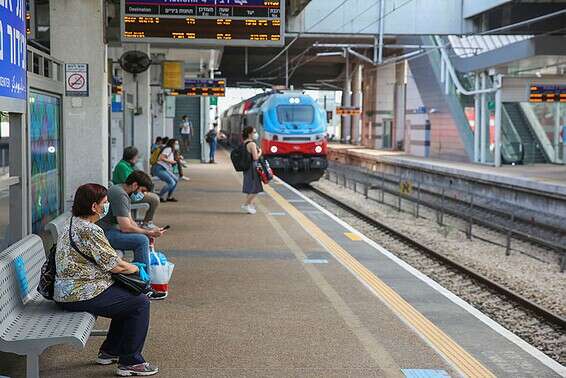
{"x": 28, "y": 329}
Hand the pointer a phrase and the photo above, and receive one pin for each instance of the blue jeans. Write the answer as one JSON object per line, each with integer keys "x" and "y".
{"x": 213, "y": 143}
{"x": 139, "y": 243}
{"x": 130, "y": 321}
{"x": 168, "y": 178}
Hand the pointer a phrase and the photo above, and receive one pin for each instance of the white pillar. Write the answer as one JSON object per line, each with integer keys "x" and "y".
{"x": 497, "y": 157}
{"x": 346, "y": 135}
{"x": 357, "y": 102}
{"x": 484, "y": 120}
{"x": 77, "y": 32}
{"x": 477, "y": 120}
{"x": 139, "y": 87}
{"x": 556, "y": 137}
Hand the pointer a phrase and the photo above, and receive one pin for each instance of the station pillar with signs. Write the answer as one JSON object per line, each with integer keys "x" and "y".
{"x": 77, "y": 38}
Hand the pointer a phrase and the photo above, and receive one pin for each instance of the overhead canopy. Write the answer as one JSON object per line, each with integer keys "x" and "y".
{"x": 306, "y": 68}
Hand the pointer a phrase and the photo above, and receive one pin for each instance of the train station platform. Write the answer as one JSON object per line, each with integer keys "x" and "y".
{"x": 293, "y": 291}
{"x": 541, "y": 178}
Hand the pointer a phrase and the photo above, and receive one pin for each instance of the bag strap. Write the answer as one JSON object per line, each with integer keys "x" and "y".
{"x": 76, "y": 248}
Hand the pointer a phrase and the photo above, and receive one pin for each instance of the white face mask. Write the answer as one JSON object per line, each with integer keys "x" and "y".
{"x": 177, "y": 147}
{"x": 255, "y": 136}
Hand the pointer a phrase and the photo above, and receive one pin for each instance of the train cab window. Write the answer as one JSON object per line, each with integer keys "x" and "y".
{"x": 260, "y": 118}
{"x": 295, "y": 114}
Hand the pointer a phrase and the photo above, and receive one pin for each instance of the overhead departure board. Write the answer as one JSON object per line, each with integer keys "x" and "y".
{"x": 203, "y": 87}
{"x": 547, "y": 93}
{"x": 204, "y": 22}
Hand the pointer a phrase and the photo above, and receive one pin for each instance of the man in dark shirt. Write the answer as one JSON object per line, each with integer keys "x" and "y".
{"x": 121, "y": 230}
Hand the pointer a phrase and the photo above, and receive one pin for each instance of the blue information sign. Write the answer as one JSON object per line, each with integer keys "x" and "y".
{"x": 13, "y": 83}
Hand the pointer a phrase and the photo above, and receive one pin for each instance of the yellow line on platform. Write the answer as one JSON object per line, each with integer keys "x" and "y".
{"x": 453, "y": 352}
{"x": 352, "y": 236}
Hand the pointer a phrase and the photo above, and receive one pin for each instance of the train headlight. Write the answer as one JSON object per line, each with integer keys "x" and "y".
{"x": 273, "y": 149}
{"x": 318, "y": 149}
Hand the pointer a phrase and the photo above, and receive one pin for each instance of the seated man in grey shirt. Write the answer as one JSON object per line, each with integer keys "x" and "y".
{"x": 121, "y": 230}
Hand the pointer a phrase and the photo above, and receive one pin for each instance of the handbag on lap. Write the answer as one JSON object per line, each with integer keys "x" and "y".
{"x": 131, "y": 282}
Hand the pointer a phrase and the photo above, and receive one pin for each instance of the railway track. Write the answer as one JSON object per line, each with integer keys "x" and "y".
{"x": 507, "y": 224}
{"x": 530, "y": 321}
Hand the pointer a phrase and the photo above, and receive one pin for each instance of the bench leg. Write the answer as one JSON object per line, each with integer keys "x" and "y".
{"x": 32, "y": 366}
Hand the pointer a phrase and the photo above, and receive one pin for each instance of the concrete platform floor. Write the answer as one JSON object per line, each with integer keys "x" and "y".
{"x": 244, "y": 303}
{"x": 542, "y": 177}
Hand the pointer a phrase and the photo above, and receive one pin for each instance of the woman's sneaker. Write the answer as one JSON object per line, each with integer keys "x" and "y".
{"x": 249, "y": 209}
{"x": 144, "y": 369}
{"x": 104, "y": 358}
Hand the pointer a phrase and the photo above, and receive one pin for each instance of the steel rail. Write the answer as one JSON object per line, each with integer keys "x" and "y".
{"x": 517, "y": 298}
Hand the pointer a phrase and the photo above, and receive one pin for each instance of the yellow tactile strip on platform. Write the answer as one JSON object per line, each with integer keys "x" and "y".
{"x": 453, "y": 352}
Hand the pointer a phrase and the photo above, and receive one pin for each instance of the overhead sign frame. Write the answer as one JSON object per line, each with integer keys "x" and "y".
{"x": 205, "y": 10}
{"x": 203, "y": 87}
{"x": 348, "y": 111}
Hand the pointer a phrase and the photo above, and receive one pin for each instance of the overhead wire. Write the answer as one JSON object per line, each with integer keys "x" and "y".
{"x": 297, "y": 37}
{"x": 385, "y": 16}
{"x": 358, "y": 15}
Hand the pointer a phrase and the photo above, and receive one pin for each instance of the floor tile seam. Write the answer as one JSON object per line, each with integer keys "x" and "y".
{"x": 307, "y": 223}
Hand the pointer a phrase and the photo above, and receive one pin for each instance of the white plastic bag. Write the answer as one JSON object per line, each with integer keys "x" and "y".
{"x": 160, "y": 274}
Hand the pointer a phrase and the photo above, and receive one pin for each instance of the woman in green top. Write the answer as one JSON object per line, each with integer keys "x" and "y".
{"x": 121, "y": 172}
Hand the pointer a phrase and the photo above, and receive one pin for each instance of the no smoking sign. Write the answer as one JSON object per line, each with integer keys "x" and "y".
{"x": 76, "y": 79}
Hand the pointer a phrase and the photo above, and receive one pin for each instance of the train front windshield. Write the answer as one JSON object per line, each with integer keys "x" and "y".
{"x": 295, "y": 114}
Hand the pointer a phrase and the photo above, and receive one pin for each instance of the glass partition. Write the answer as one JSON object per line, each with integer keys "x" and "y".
{"x": 548, "y": 120}
{"x": 45, "y": 148}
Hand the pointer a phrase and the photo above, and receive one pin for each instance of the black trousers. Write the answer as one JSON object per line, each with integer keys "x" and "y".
{"x": 130, "y": 321}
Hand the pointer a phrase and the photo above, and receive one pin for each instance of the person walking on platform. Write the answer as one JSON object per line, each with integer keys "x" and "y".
{"x": 123, "y": 169}
{"x": 82, "y": 286}
{"x": 252, "y": 183}
{"x": 186, "y": 127}
{"x": 164, "y": 170}
{"x": 212, "y": 140}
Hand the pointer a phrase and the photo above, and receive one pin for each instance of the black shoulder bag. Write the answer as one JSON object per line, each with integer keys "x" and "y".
{"x": 131, "y": 282}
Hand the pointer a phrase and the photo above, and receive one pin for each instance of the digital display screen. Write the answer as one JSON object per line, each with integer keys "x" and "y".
{"x": 547, "y": 93}
{"x": 203, "y": 87}
{"x": 204, "y": 22}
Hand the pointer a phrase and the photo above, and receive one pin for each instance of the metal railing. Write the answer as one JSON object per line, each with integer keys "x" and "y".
{"x": 470, "y": 207}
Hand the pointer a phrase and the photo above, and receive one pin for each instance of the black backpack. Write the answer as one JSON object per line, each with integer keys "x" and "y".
{"x": 241, "y": 158}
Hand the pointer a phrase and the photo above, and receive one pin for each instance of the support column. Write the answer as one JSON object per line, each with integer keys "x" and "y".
{"x": 345, "y": 134}
{"x": 484, "y": 120}
{"x": 497, "y": 150}
{"x": 556, "y": 137}
{"x": 139, "y": 86}
{"x": 357, "y": 102}
{"x": 77, "y": 36}
{"x": 477, "y": 120}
